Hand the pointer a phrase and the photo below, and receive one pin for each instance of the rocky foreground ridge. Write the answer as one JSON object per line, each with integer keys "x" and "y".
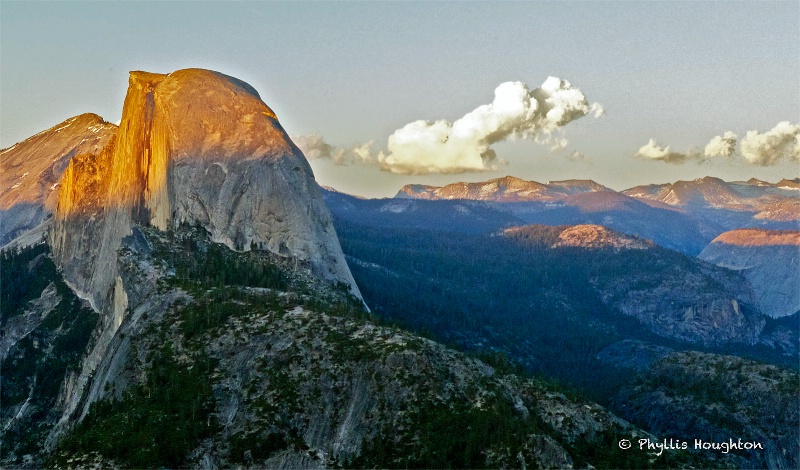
{"x": 729, "y": 399}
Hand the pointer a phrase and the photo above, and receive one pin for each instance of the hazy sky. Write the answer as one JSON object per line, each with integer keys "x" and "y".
{"x": 677, "y": 72}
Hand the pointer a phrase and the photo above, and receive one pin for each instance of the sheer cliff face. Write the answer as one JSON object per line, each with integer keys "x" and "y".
{"x": 234, "y": 170}
{"x": 195, "y": 147}
{"x": 769, "y": 259}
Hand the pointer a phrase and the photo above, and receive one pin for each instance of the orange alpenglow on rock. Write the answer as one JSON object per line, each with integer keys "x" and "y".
{"x": 759, "y": 237}
{"x": 32, "y": 169}
{"x": 195, "y": 147}
{"x": 769, "y": 259}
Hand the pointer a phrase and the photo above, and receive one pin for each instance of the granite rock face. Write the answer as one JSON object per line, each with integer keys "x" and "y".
{"x": 194, "y": 147}
{"x": 769, "y": 259}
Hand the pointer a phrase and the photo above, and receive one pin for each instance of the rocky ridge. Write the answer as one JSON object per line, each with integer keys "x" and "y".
{"x": 729, "y": 399}
{"x": 672, "y": 295}
{"x": 505, "y": 189}
{"x": 775, "y": 202}
{"x": 32, "y": 169}
{"x": 588, "y": 236}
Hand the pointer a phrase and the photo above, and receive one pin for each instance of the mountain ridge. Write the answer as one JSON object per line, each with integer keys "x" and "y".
{"x": 32, "y": 170}
{"x": 506, "y": 189}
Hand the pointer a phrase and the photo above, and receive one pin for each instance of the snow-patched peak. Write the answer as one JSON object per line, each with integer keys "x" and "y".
{"x": 777, "y": 202}
{"x": 758, "y": 182}
{"x": 506, "y": 189}
{"x": 579, "y": 186}
{"x": 33, "y": 166}
{"x": 787, "y": 183}
{"x": 30, "y": 171}
{"x": 417, "y": 191}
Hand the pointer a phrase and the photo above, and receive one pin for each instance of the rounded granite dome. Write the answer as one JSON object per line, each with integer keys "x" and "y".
{"x": 211, "y": 114}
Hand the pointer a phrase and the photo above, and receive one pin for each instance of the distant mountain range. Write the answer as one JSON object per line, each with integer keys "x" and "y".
{"x": 778, "y": 202}
{"x": 506, "y": 189}
{"x": 684, "y": 216}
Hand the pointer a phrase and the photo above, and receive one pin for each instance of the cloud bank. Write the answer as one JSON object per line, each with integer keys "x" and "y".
{"x": 465, "y": 145}
{"x": 770, "y": 148}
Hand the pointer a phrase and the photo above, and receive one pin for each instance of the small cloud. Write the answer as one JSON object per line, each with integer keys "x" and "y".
{"x": 653, "y": 151}
{"x": 721, "y": 146}
{"x": 576, "y": 156}
{"x": 314, "y": 147}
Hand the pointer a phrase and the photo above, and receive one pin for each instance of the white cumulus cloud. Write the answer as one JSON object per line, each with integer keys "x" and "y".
{"x": 652, "y": 151}
{"x": 465, "y": 145}
{"x": 769, "y": 148}
{"x": 721, "y": 146}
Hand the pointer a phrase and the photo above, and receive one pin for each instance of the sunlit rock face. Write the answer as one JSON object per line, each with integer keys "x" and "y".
{"x": 769, "y": 259}
{"x": 195, "y": 147}
{"x": 30, "y": 171}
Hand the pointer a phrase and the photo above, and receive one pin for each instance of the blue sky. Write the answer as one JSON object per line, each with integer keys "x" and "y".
{"x": 677, "y": 72}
